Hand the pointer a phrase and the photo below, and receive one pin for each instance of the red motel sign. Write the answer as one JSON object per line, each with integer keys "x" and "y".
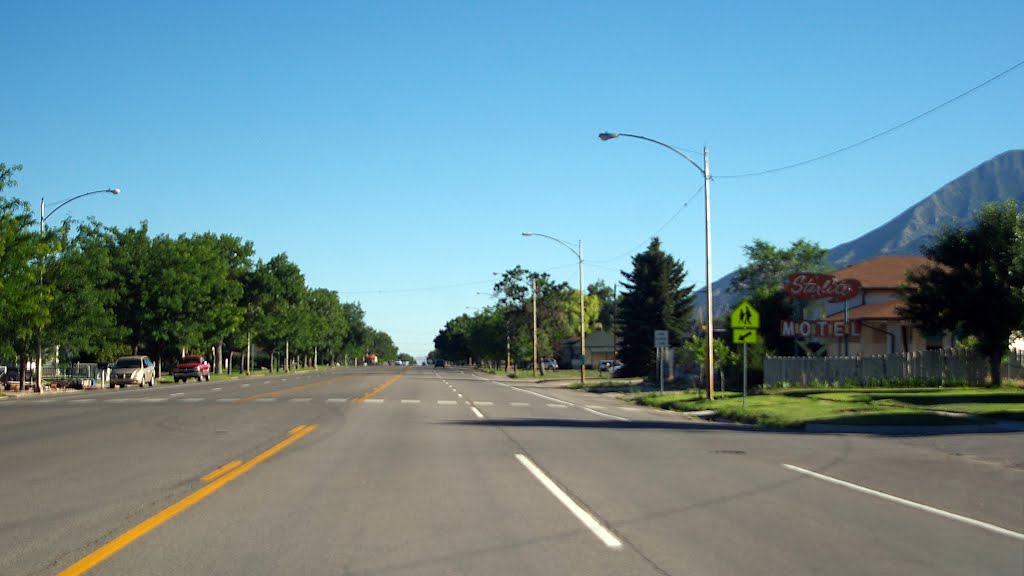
{"x": 808, "y": 286}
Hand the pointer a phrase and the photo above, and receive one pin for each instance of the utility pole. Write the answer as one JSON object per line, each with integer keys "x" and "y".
{"x": 707, "y": 253}
{"x": 535, "y": 327}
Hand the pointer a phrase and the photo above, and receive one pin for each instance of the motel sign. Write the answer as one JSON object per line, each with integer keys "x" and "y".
{"x": 820, "y": 328}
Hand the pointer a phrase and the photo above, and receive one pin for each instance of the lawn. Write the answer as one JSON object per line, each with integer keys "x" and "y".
{"x": 795, "y": 408}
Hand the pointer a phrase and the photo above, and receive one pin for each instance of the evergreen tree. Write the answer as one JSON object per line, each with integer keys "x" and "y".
{"x": 655, "y": 298}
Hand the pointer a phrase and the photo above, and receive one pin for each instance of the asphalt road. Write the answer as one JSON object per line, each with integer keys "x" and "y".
{"x": 421, "y": 471}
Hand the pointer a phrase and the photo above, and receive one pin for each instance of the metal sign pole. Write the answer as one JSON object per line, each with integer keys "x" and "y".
{"x": 661, "y": 369}
{"x": 744, "y": 375}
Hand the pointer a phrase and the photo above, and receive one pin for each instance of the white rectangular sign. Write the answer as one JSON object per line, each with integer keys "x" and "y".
{"x": 661, "y": 338}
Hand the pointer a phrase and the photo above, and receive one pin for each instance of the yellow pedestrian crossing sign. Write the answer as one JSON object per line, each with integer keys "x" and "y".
{"x": 744, "y": 336}
{"x": 745, "y": 316}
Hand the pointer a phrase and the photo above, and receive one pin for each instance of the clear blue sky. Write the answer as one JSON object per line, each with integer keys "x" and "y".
{"x": 396, "y": 150}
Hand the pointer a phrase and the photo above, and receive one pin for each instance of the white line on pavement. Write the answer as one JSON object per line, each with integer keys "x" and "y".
{"x": 406, "y": 401}
{"x": 265, "y": 400}
{"x": 297, "y": 400}
{"x": 177, "y": 394}
{"x": 336, "y": 400}
{"x": 447, "y": 402}
{"x": 226, "y": 400}
{"x": 582, "y": 515}
{"x": 619, "y": 418}
{"x": 909, "y": 503}
{"x": 484, "y": 403}
{"x": 557, "y": 406}
{"x": 374, "y": 401}
{"x": 247, "y": 385}
{"x": 477, "y": 412}
{"x": 83, "y": 400}
{"x": 215, "y": 390}
{"x": 191, "y": 399}
{"x": 518, "y": 403}
{"x": 153, "y": 400}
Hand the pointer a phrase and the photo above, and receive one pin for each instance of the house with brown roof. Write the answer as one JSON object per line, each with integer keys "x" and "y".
{"x": 874, "y": 326}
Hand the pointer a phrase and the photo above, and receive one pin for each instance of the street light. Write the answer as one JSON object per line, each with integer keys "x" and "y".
{"x": 42, "y": 229}
{"x": 705, "y": 171}
{"x": 583, "y": 330}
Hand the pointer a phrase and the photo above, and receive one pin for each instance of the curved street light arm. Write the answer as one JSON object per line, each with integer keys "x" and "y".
{"x": 114, "y": 191}
{"x": 562, "y": 242}
{"x": 610, "y": 135}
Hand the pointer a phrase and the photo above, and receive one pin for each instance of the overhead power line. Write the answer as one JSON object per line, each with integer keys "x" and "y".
{"x": 880, "y": 134}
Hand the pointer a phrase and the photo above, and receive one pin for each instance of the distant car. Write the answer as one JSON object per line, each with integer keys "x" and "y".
{"x": 614, "y": 368}
{"x": 439, "y": 363}
{"x": 605, "y": 365}
{"x": 549, "y": 364}
{"x": 192, "y": 367}
{"x": 133, "y": 370}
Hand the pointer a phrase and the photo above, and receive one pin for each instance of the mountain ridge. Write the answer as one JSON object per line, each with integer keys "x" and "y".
{"x": 997, "y": 179}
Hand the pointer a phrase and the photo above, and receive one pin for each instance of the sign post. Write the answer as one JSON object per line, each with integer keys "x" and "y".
{"x": 660, "y": 344}
{"x": 745, "y": 320}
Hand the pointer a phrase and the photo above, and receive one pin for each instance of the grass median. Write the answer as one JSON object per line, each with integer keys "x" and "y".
{"x": 795, "y": 408}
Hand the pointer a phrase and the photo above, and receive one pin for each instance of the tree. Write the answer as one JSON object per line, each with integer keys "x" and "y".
{"x": 606, "y": 304}
{"x": 24, "y": 303}
{"x": 278, "y": 289}
{"x": 654, "y": 298}
{"x": 82, "y": 274}
{"x": 761, "y": 279}
{"x": 974, "y": 284}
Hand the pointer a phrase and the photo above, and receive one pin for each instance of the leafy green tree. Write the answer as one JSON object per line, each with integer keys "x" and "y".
{"x": 24, "y": 303}
{"x": 974, "y": 284}
{"x": 83, "y": 319}
{"x": 557, "y": 311}
{"x": 131, "y": 260}
{"x": 606, "y": 306}
{"x": 655, "y": 298}
{"x": 453, "y": 341}
{"x": 279, "y": 290}
{"x": 761, "y": 279}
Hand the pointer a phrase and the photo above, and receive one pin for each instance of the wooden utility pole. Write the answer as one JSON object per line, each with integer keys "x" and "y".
{"x": 535, "y": 327}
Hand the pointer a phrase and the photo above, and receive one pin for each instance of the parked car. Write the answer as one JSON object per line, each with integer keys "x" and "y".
{"x": 605, "y": 365}
{"x": 192, "y": 367}
{"x": 549, "y": 364}
{"x": 615, "y": 367}
{"x": 133, "y": 370}
{"x": 439, "y": 363}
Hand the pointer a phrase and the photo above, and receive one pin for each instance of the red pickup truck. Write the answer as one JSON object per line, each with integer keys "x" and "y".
{"x": 192, "y": 367}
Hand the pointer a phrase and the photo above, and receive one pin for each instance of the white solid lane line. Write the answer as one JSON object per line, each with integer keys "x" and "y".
{"x": 613, "y": 417}
{"x": 477, "y": 412}
{"x": 909, "y": 503}
{"x": 587, "y": 408}
{"x": 582, "y": 515}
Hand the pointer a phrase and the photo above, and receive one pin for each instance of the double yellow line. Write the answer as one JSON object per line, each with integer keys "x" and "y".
{"x": 218, "y": 479}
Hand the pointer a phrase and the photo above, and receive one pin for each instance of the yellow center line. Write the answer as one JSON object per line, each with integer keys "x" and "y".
{"x": 222, "y": 470}
{"x": 378, "y": 389}
{"x": 117, "y": 544}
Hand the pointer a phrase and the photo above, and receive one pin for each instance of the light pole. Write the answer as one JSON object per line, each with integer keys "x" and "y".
{"x": 42, "y": 230}
{"x": 706, "y": 172}
{"x": 583, "y": 330}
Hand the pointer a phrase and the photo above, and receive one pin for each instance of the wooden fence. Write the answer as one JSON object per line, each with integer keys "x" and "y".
{"x": 931, "y": 367}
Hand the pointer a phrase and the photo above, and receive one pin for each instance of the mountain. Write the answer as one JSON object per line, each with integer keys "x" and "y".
{"x": 996, "y": 180}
